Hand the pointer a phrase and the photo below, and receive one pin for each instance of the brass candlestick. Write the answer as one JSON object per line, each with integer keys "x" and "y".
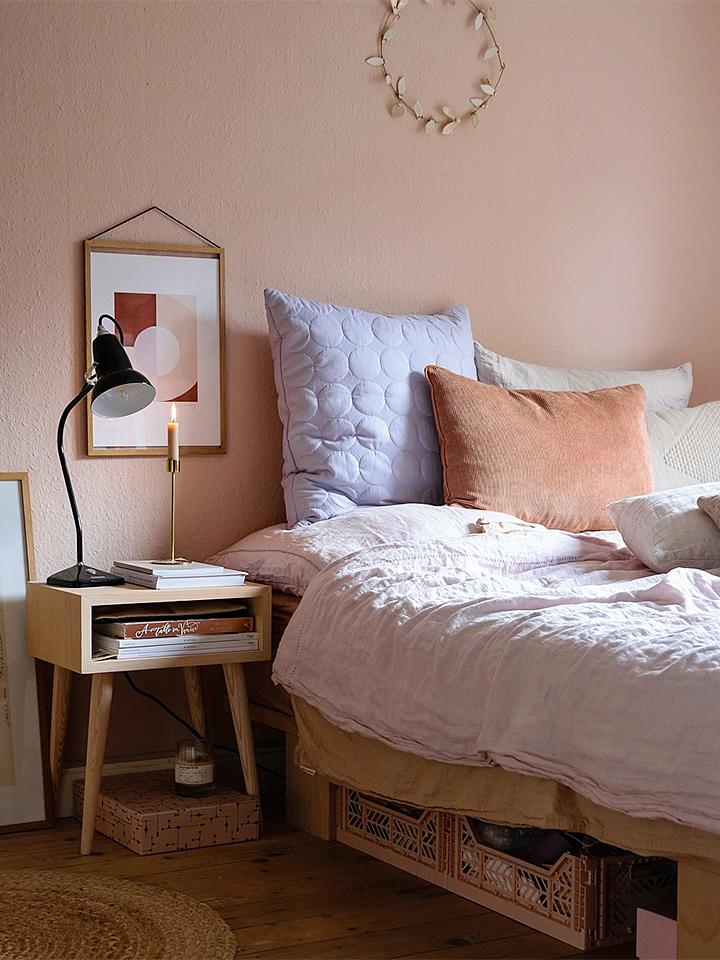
{"x": 173, "y": 467}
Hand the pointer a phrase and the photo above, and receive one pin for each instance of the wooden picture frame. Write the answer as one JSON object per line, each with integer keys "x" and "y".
{"x": 25, "y": 794}
{"x": 170, "y": 302}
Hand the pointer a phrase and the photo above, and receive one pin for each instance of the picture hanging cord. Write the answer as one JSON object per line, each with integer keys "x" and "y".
{"x": 142, "y": 214}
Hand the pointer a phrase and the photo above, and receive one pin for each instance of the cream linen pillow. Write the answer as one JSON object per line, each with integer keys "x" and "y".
{"x": 668, "y": 529}
{"x": 555, "y": 458}
{"x": 665, "y": 389}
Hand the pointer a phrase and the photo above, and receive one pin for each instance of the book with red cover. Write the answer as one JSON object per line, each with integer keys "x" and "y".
{"x": 175, "y": 620}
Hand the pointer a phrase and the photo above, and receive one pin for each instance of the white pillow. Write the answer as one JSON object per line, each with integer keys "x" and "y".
{"x": 665, "y": 389}
{"x": 667, "y": 529}
{"x": 685, "y": 445}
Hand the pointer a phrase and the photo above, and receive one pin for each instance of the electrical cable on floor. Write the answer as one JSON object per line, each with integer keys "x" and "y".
{"x": 193, "y": 731}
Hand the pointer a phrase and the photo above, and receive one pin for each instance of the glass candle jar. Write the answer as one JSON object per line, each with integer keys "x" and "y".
{"x": 194, "y": 768}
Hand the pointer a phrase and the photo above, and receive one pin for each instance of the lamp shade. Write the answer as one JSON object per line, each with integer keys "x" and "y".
{"x": 119, "y": 390}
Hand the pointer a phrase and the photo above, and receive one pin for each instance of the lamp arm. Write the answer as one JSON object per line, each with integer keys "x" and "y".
{"x": 87, "y": 387}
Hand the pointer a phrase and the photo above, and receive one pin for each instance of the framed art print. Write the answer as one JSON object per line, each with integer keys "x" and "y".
{"x": 25, "y": 795}
{"x": 169, "y": 302}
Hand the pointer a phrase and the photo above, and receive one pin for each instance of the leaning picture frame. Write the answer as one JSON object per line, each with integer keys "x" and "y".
{"x": 169, "y": 302}
{"x": 25, "y": 793}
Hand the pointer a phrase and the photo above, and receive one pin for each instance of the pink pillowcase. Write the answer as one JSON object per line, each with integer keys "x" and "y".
{"x": 555, "y": 458}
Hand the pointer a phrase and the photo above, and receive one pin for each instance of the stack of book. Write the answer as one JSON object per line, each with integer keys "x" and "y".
{"x": 166, "y": 576}
{"x": 161, "y": 630}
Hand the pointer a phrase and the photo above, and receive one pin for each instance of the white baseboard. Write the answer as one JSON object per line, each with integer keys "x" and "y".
{"x": 65, "y": 802}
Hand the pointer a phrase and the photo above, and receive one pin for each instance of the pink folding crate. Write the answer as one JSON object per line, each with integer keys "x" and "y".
{"x": 584, "y": 901}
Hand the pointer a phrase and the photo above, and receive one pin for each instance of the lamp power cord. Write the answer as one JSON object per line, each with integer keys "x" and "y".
{"x": 192, "y": 730}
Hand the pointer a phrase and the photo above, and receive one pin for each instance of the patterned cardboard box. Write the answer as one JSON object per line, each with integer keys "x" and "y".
{"x": 142, "y": 812}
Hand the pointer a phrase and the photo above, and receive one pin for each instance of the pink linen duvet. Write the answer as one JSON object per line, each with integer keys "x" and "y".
{"x": 551, "y": 654}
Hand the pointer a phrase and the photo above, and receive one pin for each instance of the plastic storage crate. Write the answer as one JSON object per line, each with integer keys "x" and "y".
{"x": 408, "y": 838}
{"x": 584, "y": 901}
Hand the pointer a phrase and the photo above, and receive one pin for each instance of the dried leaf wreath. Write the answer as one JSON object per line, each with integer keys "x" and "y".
{"x": 451, "y": 119}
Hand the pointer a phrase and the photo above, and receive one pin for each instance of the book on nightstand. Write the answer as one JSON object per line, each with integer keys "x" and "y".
{"x": 193, "y": 568}
{"x": 123, "y": 649}
{"x": 155, "y": 568}
{"x": 143, "y": 623}
{"x": 167, "y": 580}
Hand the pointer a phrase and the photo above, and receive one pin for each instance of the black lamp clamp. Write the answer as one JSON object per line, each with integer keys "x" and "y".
{"x": 117, "y": 391}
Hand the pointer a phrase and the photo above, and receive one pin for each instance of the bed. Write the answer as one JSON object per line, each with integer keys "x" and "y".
{"x": 487, "y": 625}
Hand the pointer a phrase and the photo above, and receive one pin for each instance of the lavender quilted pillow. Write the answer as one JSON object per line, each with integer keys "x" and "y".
{"x": 358, "y": 426}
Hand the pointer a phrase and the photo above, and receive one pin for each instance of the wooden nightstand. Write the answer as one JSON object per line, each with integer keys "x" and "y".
{"x": 59, "y": 628}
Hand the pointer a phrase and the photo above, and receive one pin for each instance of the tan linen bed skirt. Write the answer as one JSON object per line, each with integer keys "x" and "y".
{"x": 489, "y": 793}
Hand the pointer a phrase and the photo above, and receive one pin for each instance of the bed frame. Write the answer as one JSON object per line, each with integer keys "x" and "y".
{"x": 310, "y": 806}
{"x": 309, "y": 797}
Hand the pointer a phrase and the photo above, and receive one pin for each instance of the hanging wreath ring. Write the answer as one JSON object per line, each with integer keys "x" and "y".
{"x": 450, "y": 120}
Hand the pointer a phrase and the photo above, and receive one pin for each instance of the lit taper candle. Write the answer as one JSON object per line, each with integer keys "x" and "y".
{"x": 173, "y": 439}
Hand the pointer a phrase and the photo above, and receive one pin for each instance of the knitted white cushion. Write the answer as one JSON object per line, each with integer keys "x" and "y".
{"x": 685, "y": 445}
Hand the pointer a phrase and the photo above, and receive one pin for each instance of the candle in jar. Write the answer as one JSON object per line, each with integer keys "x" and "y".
{"x": 172, "y": 436}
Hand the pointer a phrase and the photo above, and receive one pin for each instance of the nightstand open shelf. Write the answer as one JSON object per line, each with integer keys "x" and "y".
{"x": 59, "y": 627}
{"x": 60, "y": 624}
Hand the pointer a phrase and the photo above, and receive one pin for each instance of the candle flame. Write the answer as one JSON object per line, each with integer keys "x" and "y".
{"x": 174, "y": 414}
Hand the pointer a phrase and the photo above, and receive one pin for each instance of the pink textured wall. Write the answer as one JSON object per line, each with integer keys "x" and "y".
{"x": 580, "y": 223}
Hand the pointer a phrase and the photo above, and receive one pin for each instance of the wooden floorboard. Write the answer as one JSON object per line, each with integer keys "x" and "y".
{"x": 289, "y": 895}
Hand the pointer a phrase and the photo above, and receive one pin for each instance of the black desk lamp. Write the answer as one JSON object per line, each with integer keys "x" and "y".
{"x": 117, "y": 391}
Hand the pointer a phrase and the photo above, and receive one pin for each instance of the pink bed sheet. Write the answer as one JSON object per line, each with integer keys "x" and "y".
{"x": 551, "y": 654}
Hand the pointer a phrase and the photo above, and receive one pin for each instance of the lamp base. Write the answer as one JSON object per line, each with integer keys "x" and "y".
{"x": 80, "y": 575}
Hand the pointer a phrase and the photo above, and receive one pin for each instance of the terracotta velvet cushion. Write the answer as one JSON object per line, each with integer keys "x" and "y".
{"x": 556, "y": 458}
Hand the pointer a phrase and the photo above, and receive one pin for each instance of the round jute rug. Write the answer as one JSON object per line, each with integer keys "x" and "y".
{"x": 51, "y": 915}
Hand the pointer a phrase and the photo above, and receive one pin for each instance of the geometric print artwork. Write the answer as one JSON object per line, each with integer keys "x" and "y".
{"x": 161, "y": 340}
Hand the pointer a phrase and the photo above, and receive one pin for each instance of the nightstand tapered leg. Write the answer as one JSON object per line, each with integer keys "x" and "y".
{"x": 100, "y": 703}
{"x": 237, "y": 694}
{"x": 62, "y": 681}
{"x": 196, "y": 699}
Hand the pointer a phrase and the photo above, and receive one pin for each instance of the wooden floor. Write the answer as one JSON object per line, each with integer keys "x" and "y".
{"x": 289, "y": 895}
